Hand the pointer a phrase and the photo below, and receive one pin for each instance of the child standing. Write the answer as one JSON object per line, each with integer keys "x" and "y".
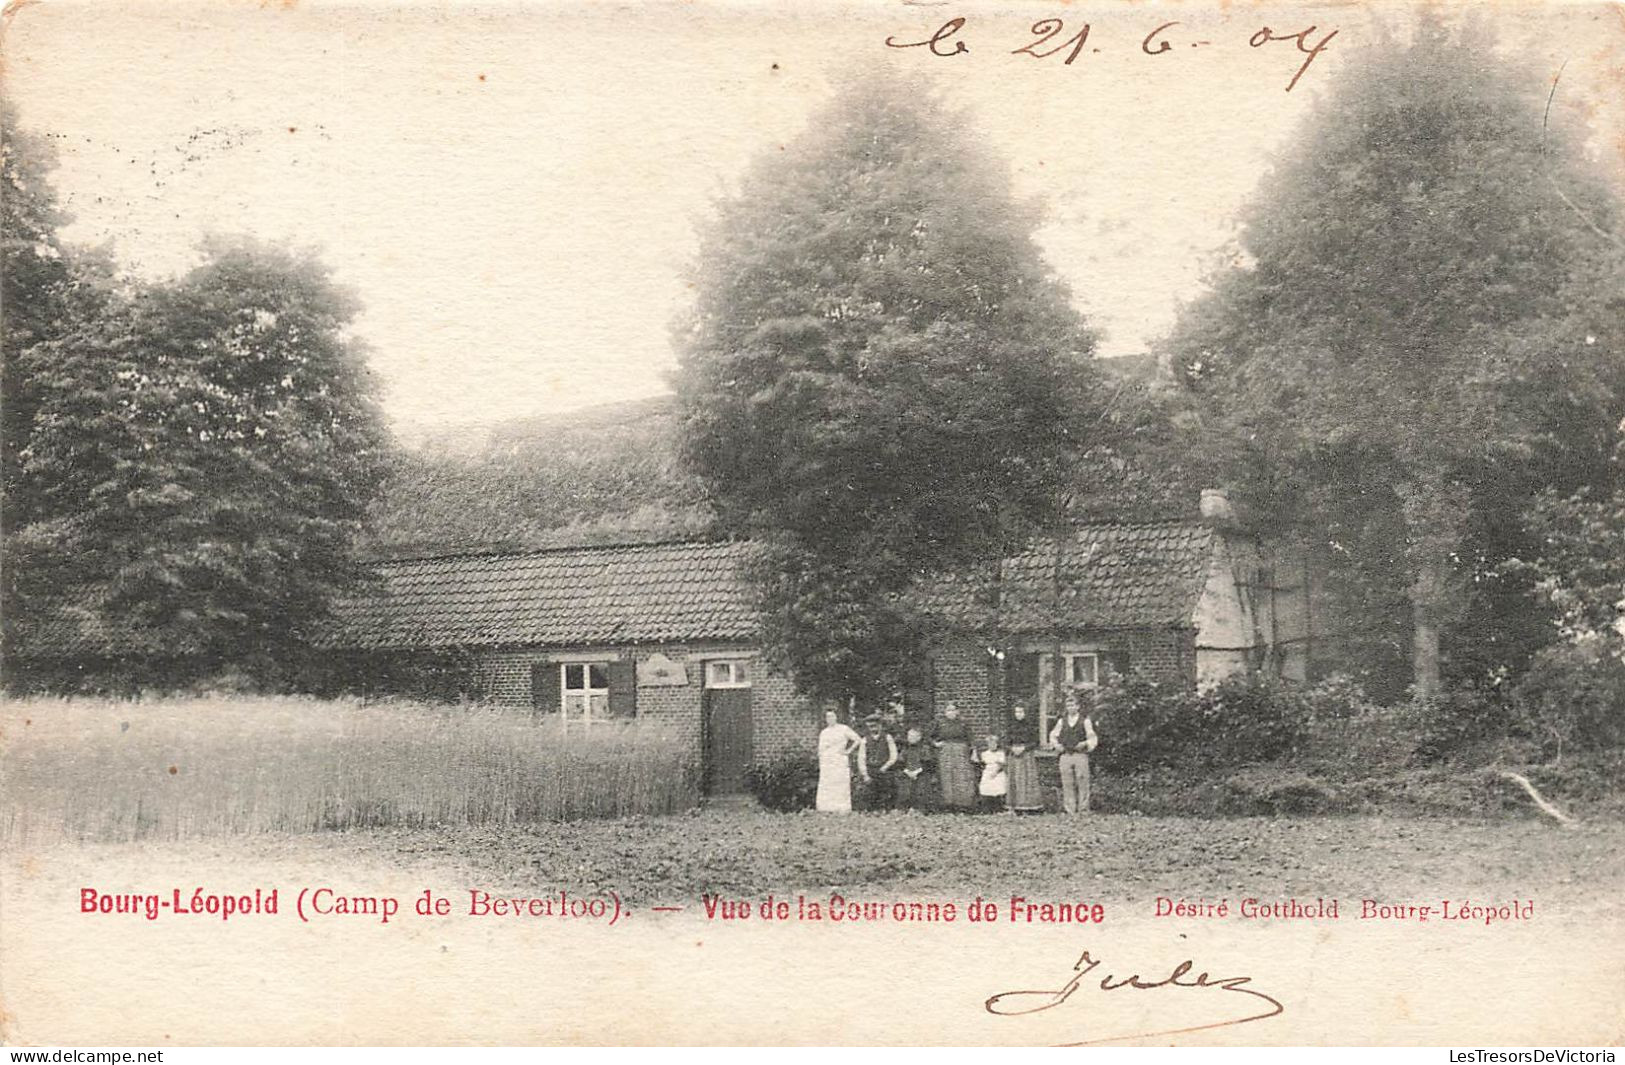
{"x": 995, "y": 784}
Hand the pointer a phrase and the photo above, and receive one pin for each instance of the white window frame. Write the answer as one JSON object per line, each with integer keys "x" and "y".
{"x": 1051, "y": 704}
{"x": 738, "y": 673}
{"x": 586, "y": 718}
{"x": 1072, "y": 659}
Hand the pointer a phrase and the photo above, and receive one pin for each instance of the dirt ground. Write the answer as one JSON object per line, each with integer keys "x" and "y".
{"x": 121, "y": 979}
{"x": 653, "y": 860}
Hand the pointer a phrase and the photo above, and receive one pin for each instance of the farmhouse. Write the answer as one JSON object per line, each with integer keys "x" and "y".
{"x": 592, "y": 637}
{"x": 666, "y": 632}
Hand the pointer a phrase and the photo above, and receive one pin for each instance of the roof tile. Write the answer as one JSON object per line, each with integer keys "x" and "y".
{"x": 646, "y": 593}
{"x": 1113, "y": 575}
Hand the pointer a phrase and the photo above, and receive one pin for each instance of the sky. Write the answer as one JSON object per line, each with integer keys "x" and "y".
{"x": 513, "y": 189}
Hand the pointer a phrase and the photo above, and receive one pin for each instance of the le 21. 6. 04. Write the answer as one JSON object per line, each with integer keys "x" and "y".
{"x": 1052, "y": 38}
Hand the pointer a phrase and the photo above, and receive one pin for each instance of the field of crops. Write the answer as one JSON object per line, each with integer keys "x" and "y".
{"x": 97, "y": 770}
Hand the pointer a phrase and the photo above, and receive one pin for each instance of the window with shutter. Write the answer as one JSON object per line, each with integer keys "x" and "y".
{"x": 583, "y": 689}
{"x": 587, "y": 693}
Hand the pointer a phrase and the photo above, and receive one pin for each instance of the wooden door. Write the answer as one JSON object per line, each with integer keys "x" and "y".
{"x": 728, "y": 742}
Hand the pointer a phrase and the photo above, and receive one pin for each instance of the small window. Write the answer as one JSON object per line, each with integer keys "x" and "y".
{"x": 586, "y": 692}
{"x": 727, "y": 674}
{"x": 1083, "y": 670}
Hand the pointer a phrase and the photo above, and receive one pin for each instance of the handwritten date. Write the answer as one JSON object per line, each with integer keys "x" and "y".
{"x": 1052, "y": 38}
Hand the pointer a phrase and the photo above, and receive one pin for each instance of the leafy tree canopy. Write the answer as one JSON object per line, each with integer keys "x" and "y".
{"x": 1426, "y": 322}
{"x": 880, "y": 376}
{"x": 202, "y": 455}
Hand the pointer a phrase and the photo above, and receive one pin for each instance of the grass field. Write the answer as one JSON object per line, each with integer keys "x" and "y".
{"x": 503, "y": 801}
{"x": 100, "y": 770}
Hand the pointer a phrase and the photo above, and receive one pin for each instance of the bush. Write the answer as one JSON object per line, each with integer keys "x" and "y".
{"x": 1348, "y": 736}
{"x": 1242, "y": 720}
{"x": 1573, "y": 699}
{"x": 1285, "y": 790}
{"x": 1587, "y": 784}
{"x": 184, "y": 768}
{"x": 1271, "y": 790}
{"x": 788, "y": 783}
{"x": 1452, "y": 724}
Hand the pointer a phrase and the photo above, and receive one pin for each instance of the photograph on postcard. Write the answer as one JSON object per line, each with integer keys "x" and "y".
{"x": 1000, "y": 523}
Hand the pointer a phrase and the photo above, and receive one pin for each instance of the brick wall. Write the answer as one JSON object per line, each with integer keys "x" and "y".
{"x": 781, "y": 719}
{"x": 1163, "y": 654}
{"x": 983, "y": 687}
{"x": 964, "y": 673}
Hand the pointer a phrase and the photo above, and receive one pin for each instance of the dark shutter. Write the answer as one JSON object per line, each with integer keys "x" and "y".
{"x": 544, "y": 687}
{"x": 1116, "y": 661}
{"x": 623, "y": 688}
{"x": 1022, "y": 678}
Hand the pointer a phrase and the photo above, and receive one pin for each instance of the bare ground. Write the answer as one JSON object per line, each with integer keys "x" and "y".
{"x": 653, "y": 860}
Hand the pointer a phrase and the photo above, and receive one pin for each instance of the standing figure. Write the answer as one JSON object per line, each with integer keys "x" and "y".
{"x": 916, "y": 784}
{"x": 835, "y": 746}
{"x": 991, "y": 789}
{"x": 877, "y": 754}
{"x": 955, "y": 763}
{"x": 1075, "y": 735}
{"x": 1026, "y": 795}
{"x": 894, "y": 720}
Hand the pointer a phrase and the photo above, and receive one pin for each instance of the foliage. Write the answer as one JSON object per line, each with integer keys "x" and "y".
{"x": 1452, "y": 725}
{"x": 188, "y": 768}
{"x": 1573, "y": 699}
{"x": 38, "y": 277}
{"x": 201, "y": 459}
{"x": 612, "y": 474}
{"x": 605, "y": 474}
{"x": 1328, "y": 729}
{"x": 1147, "y": 458}
{"x": 1580, "y": 567}
{"x": 1244, "y": 719}
{"x": 880, "y": 376}
{"x": 1424, "y": 326}
{"x": 1587, "y": 786}
{"x": 1573, "y": 696}
{"x": 46, "y": 289}
{"x": 788, "y": 783}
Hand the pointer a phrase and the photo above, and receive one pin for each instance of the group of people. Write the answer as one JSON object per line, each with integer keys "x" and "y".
{"x": 903, "y": 764}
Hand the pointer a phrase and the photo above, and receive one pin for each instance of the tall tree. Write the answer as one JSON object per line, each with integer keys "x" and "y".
{"x": 1426, "y": 323}
{"x": 47, "y": 290}
{"x": 881, "y": 377}
{"x": 204, "y": 454}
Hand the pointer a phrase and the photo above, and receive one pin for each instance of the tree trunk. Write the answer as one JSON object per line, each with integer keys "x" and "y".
{"x": 1427, "y": 593}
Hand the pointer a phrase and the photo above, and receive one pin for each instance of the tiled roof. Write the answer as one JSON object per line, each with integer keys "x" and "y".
{"x": 1113, "y": 575}
{"x": 644, "y": 593}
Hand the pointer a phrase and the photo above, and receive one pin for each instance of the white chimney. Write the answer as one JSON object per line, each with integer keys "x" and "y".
{"x": 1216, "y": 508}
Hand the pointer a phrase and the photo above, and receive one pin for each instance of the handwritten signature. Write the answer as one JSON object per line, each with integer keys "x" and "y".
{"x": 1023, "y": 1003}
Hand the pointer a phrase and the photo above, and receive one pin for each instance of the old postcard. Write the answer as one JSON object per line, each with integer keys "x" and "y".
{"x": 1030, "y": 522}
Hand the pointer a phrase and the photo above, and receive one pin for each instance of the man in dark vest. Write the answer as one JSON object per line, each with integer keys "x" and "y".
{"x": 1075, "y": 736}
{"x": 877, "y": 754}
